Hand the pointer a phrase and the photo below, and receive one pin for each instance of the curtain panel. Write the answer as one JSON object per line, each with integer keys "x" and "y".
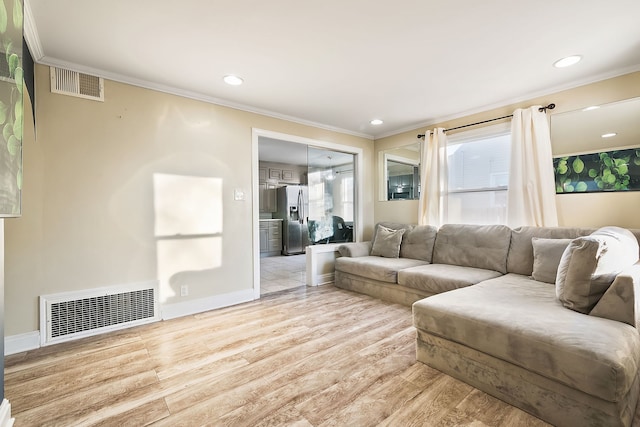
{"x": 531, "y": 197}
{"x": 432, "y": 207}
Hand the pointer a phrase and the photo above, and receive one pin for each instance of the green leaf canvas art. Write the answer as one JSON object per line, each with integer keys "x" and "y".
{"x": 617, "y": 170}
{"x": 11, "y": 107}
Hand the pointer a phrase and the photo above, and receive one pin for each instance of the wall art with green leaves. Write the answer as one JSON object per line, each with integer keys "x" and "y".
{"x": 11, "y": 109}
{"x": 617, "y": 170}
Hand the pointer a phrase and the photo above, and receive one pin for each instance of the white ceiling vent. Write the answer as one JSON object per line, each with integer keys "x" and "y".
{"x": 74, "y": 83}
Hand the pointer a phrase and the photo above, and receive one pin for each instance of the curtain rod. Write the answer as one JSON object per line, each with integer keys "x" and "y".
{"x": 541, "y": 109}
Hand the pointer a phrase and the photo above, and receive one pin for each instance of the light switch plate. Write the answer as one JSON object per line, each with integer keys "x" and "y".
{"x": 238, "y": 194}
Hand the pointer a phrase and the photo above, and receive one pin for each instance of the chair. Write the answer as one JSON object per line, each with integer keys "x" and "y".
{"x": 341, "y": 231}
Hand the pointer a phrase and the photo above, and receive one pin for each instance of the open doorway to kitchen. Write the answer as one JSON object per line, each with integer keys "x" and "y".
{"x": 307, "y": 194}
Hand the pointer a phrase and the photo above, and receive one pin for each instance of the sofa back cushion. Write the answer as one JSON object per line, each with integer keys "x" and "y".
{"x": 590, "y": 264}
{"x": 387, "y": 242}
{"x": 479, "y": 246}
{"x": 417, "y": 240}
{"x": 520, "y": 258}
{"x": 547, "y": 254}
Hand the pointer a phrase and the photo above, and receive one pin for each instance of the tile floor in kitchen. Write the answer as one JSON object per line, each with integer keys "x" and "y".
{"x": 278, "y": 273}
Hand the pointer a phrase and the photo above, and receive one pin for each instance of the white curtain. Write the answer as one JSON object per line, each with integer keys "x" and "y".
{"x": 532, "y": 198}
{"x": 433, "y": 178}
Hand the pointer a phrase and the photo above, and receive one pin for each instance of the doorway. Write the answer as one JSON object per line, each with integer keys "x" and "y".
{"x": 307, "y": 193}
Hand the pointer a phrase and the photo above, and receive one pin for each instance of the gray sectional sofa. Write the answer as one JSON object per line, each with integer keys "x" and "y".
{"x": 488, "y": 312}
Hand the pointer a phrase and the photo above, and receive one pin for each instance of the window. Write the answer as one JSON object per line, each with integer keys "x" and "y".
{"x": 478, "y": 175}
{"x": 347, "y": 198}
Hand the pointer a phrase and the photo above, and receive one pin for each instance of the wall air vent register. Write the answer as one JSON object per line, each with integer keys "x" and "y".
{"x": 73, "y": 315}
{"x": 74, "y": 83}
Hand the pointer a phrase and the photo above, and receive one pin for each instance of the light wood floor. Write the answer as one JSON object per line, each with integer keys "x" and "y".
{"x": 304, "y": 357}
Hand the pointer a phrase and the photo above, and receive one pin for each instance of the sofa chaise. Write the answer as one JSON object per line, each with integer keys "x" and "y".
{"x": 498, "y": 308}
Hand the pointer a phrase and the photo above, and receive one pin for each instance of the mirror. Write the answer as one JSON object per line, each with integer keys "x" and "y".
{"x": 581, "y": 131}
{"x": 400, "y": 177}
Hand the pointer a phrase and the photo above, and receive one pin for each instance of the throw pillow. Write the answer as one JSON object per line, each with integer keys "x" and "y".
{"x": 546, "y": 258}
{"x": 590, "y": 264}
{"x": 387, "y": 242}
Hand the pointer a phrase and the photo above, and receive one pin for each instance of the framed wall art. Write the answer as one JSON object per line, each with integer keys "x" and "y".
{"x": 11, "y": 109}
{"x": 617, "y": 170}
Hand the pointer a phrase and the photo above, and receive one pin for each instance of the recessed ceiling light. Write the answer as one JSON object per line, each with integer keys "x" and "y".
{"x": 609, "y": 135}
{"x": 568, "y": 61}
{"x": 593, "y": 107}
{"x": 376, "y": 122}
{"x": 233, "y": 80}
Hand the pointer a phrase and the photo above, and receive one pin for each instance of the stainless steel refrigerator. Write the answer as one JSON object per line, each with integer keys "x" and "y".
{"x": 293, "y": 209}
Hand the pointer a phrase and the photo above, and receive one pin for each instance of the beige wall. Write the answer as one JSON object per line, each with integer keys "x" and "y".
{"x": 593, "y": 210}
{"x": 88, "y": 204}
{"x": 89, "y": 195}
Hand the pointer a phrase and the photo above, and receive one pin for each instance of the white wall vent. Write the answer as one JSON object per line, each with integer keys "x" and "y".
{"x": 74, "y": 83}
{"x": 73, "y": 315}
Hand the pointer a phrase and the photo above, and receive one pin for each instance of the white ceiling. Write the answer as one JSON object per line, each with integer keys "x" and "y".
{"x": 338, "y": 64}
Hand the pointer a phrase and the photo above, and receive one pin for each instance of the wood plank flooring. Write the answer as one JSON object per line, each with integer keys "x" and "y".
{"x": 304, "y": 357}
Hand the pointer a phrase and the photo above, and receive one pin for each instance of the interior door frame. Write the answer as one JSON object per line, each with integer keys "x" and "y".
{"x": 256, "y": 133}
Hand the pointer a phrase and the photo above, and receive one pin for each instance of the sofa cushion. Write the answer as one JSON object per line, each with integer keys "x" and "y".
{"x": 520, "y": 320}
{"x": 546, "y": 258}
{"x": 619, "y": 301}
{"x": 520, "y": 258}
{"x": 436, "y": 278}
{"x": 375, "y": 267}
{"x": 355, "y": 249}
{"x": 387, "y": 242}
{"x": 478, "y": 246}
{"x": 417, "y": 241}
{"x": 590, "y": 264}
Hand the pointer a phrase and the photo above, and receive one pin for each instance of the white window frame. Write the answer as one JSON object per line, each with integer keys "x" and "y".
{"x": 471, "y": 136}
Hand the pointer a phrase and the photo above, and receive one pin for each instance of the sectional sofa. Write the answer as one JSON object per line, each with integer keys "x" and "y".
{"x": 517, "y": 313}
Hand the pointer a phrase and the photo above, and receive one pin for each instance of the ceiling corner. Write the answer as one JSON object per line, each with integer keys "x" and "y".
{"x": 31, "y": 33}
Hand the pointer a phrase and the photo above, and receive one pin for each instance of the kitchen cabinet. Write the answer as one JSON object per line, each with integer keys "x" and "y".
{"x": 275, "y": 174}
{"x": 262, "y": 174}
{"x": 270, "y": 237}
{"x": 268, "y": 197}
{"x": 275, "y": 236}
{"x": 264, "y": 236}
{"x": 287, "y": 175}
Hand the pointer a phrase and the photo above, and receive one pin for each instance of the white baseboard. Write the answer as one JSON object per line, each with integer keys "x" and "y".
{"x": 171, "y": 311}
{"x": 323, "y": 279}
{"x": 23, "y": 342}
{"x": 31, "y": 340}
{"x": 5, "y": 414}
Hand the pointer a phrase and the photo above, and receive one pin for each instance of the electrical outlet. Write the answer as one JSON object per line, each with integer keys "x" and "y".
{"x": 184, "y": 290}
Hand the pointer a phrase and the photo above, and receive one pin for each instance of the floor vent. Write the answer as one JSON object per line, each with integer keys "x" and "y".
{"x": 74, "y": 83}
{"x": 80, "y": 314}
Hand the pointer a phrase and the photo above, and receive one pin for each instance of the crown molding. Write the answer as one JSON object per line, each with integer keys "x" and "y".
{"x": 33, "y": 41}
{"x": 419, "y": 127}
{"x": 31, "y": 33}
{"x": 121, "y": 78}
{"x": 35, "y": 47}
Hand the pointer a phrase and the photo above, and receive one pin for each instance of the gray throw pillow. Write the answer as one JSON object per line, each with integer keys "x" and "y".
{"x": 546, "y": 258}
{"x": 387, "y": 242}
{"x": 590, "y": 264}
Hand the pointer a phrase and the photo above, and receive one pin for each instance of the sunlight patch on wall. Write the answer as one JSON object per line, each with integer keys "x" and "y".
{"x": 188, "y": 230}
{"x": 187, "y": 205}
{"x": 186, "y": 261}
